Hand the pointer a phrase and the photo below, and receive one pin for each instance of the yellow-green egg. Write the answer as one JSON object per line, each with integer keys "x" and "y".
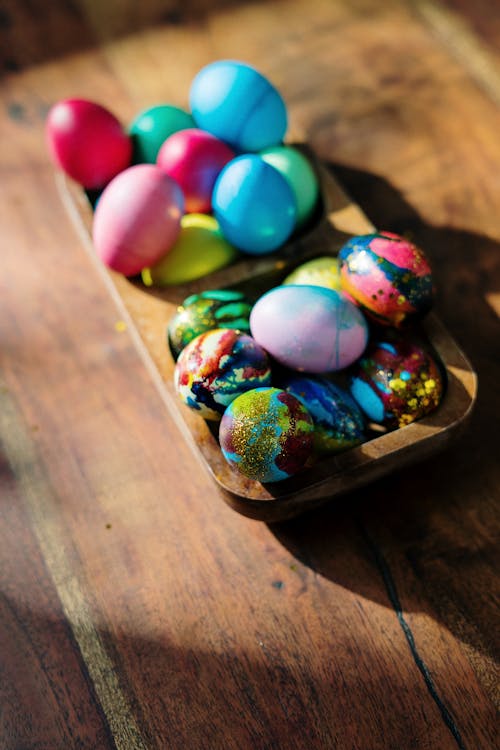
{"x": 324, "y": 271}
{"x": 199, "y": 250}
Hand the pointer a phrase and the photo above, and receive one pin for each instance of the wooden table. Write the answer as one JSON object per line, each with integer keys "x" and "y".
{"x": 137, "y": 609}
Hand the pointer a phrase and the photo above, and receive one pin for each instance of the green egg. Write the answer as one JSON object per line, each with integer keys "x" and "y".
{"x": 199, "y": 250}
{"x": 153, "y": 126}
{"x": 199, "y": 313}
{"x": 300, "y": 175}
{"x": 322, "y": 271}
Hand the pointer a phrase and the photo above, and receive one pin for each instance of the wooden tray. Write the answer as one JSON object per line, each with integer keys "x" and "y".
{"x": 147, "y": 311}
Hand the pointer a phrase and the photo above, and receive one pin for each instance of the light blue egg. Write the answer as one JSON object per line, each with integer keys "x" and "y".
{"x": 238, "y": 104}
{"x": 254, "y": 205}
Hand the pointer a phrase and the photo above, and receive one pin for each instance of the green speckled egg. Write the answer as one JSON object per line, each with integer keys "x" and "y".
{"x": 220, "y": 308}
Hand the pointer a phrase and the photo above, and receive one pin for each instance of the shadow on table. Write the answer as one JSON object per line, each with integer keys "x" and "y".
{"x": 436, "y": 519}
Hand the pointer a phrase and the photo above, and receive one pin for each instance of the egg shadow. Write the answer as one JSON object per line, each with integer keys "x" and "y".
{"x": 427, "y": 529}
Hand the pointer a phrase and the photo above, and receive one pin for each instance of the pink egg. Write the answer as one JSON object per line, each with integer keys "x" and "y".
{"x": 137, "y": 219}
{"x": 194, "y": 158}
{"x": 87, "y": 142}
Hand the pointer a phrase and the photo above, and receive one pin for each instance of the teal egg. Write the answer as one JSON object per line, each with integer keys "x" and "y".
{"x": 300, "y": 175}
{"x": 153, "y": 126}
{"x": 220, "y": 308}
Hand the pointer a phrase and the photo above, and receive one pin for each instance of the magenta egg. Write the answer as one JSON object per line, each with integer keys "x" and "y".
{"x": 194, "y": 158}
{"x": 87, "y": 142}
{"x": 137, "y": 219}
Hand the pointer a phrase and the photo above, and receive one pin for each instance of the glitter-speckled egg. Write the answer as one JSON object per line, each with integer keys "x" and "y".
{"x": 324, "y": 271}
{"x": 216, "y": 367}
{"x": 387, "y": 275}
{"x": 266, "y": 434}
{"x": 338, "y": 422}
{"x": 220, "y": 308}
{"x": 309, "y": 328}
{"x": 396, "y": 382}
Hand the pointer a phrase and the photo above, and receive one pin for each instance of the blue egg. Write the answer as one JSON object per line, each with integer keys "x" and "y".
{"x": 338, "y": 421}
{"x": 254, "y": 205}
{"x": 237, "y": 104}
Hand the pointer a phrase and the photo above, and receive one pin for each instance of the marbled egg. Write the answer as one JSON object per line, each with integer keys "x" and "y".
{"x": 266, "y": 434}
{"x": 338, "y": 422}
{"x": 309, "y": 328}
{"x": 323, "y": 271}
{"x": 216, "y": 367}
{"x": 386, "y": 275}
{"x": 396, "y": 382}
{"x": 220, "y": 308}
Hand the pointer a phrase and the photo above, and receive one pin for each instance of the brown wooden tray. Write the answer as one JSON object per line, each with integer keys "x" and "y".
{"x": 147, "y": 311}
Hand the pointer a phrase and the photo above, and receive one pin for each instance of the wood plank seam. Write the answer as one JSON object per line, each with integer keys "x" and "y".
{"x": 392, "y": 593}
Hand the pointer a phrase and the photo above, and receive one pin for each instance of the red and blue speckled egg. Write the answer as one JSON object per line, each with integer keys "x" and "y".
{"x": 216, "y": 367}
{"x": 266, "y": 434}
{"x": 309, "y": 328}
{"x": 396, "y": 382}
{"x": 388, "y": 276}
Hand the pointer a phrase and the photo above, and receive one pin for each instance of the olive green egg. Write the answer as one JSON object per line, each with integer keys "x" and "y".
{"x": 322, "y": 271}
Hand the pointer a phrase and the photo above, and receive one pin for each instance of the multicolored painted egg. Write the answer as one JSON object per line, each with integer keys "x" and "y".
{"x": 324, "y": 271}
{"x": 220, "y": 308}
{"x": 199, "y": 249}
{"x": 300, "y": 175}
{"x": 254, "y": 205}
{"x": 194, "y": 159}
{"x": 388, "y": 276}
{"x": 396, "y": 382}
{"x": 216, "y": 367}
{"x": 309, "y": 328}
{"x": 238, "y": 104}
{"x": 137, "y": 219}
{"x": 153, "y": 126}
{"x": 266, "y": 434}
{"x": 338, "y": 422}
{"x": 87, "y": 142}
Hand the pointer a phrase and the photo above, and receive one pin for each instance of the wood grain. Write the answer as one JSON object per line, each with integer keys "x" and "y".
{"x": 370, "y": 624}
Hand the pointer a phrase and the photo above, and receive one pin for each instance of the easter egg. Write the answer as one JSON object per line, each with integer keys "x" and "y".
{"x": 254, "y": 205}
{"x": 220, "y": 308}
{"x": 194, "y": 159}
{"x": 338, "y": 422}
{"x": 87, "y": 142}
{"x": 266, "y": 434}
{"x": 216, "y": 367}
{"x": 396, "y": 382}
{"x": 309, "y": 328}
{"x": 153, "y": 126}
{"x": 387, "y": 275}
{"x": 137, "y": 219}
{"x": 199, "y": 249}
{"x": 238, "y": 104}
{"x": 324, "y": 271}
{"x": 298, "y": 172}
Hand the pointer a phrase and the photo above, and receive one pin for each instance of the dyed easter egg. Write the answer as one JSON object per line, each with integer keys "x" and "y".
{"x": 216, "y": 367}
{"x": 266, "y": 434}
{"x": 137, "y": 219}
{"x": 338, "y": 422}
{"x": 153, "y": 126}
{"x": 324, "y": 271}
{"x": 199, "y": 249}
{"x": 220, "y": 308}
{"x": 298, "y": 172}
{"x": 387, "y": 275}
{"x": 254, "y": 205}
{"x": 309, "y": 328}
{"x": 87, "y": 142}
{"x": 396, "y": 382}
{"x": 238, "y": 104}
{"x": 194, "y": 159}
